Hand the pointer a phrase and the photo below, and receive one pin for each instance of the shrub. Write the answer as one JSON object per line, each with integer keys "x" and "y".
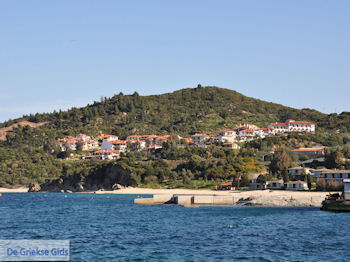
{"x": 321, "y": 185}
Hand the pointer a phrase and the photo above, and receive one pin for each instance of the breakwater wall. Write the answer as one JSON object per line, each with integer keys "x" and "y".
{"x": 187, "y": 200}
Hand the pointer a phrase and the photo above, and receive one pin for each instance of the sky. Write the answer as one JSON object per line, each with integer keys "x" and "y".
{"x": 59, "y": 54}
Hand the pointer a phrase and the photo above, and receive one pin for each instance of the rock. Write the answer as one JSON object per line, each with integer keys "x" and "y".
{"x": 34, "y": 187}
{"x": 62, "y": 191}
{"x": 68, "y": 191}
{"x": 80, "y": 187}
{"x": 117, "y": 186}
{"x": 109, "y": 177}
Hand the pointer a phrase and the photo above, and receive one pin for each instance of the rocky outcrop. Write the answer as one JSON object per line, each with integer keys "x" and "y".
{"x": 117, "y": 186}
{"x": 34, "y": 187}
{"x": 109, "y": 177}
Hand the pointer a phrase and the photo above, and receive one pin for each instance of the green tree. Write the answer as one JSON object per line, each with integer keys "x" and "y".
{"x": 280, "y": 163}
{"x": 79, "y": 147}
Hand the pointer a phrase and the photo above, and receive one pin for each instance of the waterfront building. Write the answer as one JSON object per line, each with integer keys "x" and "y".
{"x": 296, "y": 185}
{"x": 331, "y": 174}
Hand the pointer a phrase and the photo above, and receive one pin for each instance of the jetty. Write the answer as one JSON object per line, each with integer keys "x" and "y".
{"x": 187, "y": 200}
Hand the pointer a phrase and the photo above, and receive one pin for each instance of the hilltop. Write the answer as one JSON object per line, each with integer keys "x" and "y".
{"x": 186, "y": 111}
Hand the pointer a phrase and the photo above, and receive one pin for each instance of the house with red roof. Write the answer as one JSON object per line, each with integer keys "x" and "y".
{"x": 119, "y": 145}
{"x": 70, "y": 143}
{"x": 313, "y": 151}
{"x": 292, "y": 126}
{"x": 199, "y": 139}
{"x": 106, "y": 154}
{"x": 226, "y": 135}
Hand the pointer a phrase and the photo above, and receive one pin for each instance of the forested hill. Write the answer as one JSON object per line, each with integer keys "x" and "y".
{"x": 201, "y": 109}
{"x": 29, "y": 151}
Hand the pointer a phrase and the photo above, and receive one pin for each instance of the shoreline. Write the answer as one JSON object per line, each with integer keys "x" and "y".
{"x": 249, "y": 197}
{"x": 14, "y": 190}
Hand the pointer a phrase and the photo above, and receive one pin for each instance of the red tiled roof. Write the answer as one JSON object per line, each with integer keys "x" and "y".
{"x": 189, "y": 140}
{"x": 199, "y": 135}
{"x": 279, "y": 124}
{"x": 248, "y": 131}
{"x": 163, "y": 137}
{"x": 105, "y": 136}
{"x": 106, "y": 151}
{"x": 308, "y": 150}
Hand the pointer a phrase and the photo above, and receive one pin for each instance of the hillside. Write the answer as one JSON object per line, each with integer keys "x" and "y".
{"x": 5, "y": 130}
{"x": 29, "y": 151}
{"x": 201, "y": 109}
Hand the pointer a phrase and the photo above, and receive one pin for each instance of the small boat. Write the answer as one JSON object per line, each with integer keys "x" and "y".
{"x": 338, "y": 202}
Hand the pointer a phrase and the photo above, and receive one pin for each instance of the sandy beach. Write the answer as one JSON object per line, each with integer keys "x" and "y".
{"x": 253, "y": 197}
{"x": 14, "y": 190}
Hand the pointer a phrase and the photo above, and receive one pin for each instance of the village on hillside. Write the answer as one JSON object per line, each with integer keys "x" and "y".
{"x": 110, "y": 146}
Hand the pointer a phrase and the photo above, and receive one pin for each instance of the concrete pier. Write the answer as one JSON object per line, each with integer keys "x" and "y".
{"x": 156, "y": 200}
{"x": 186, "y": 200}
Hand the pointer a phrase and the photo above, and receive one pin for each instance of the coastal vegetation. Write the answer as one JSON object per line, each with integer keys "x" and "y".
{"x": 32, "y": 154}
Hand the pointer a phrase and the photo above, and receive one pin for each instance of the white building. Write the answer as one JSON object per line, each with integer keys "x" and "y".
{"x": 106, "y": 154}
{"x": 199, "y": 138}
{"x": 267, "y": 131}
{"x": 70, "y": 143}
{"x": 150, "y": 139}
{"x": 226, "y": 136}
{"x": 119, "y": 145}
{"x": 297, "y": 171}
{"x": 296, "y": 185}
{"x": 240, "y": 127}
{"x": 300, "y": 126}
{"x": 292, "y": 126}
{"x": 246, "y": 132}
{"x": 279, "y": 128}
{"x": 330, "y": 174}
{"x": 231, "y": 145}
{"x": 275, "y": 184}
{"x": 108, "y": 138}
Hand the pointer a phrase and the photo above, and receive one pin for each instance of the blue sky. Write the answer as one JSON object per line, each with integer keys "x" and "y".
{"x": 59, "y": 54}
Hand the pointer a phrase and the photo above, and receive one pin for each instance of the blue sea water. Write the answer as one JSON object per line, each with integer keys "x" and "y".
{"x": 112, "y": 228}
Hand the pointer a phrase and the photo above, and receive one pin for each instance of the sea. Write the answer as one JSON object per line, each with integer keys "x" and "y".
{"x": 111, "y": 227}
